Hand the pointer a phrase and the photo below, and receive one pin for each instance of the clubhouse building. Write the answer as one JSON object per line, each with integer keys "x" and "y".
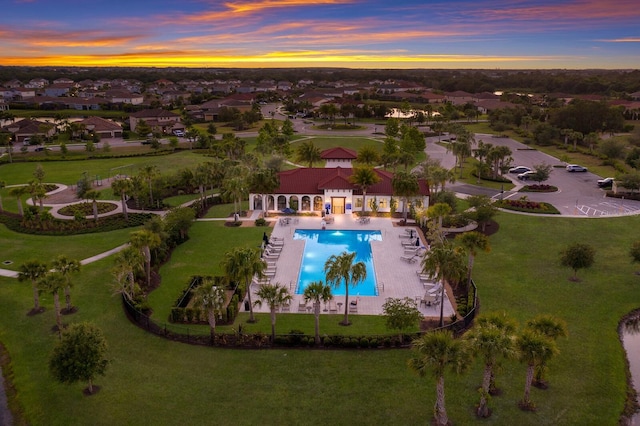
{"x": 328, "y": 189}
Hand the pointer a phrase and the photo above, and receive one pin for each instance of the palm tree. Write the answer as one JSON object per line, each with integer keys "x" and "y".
{"x": 503, "y": 322}
{"x": 122, "y": 187}
{"x": 275, "y": 295}
{"x": 308, "y": 153}
{"x": 212, "y": 299}
{"x": 54, "y": 282}
{"x": 405, "y": 185}
{"x": 148, "y": 173}
{"x": 368, "y": 155}
{"x": 364, "y": 177}
{"x": 317, "y": 292}
{"x": 18, "y": 192}
{"x": 472, "y": 242}
{"x": 341, "y": 268}
{"x": 446, "y": 264}
{"x": 240, "y": 265}
{"x": 66, "y": 267}
{"x": 235, "y": 187}
{"x": 533, "y": 349}
{"x": 128, "y": 263}
{"x": 33, "y": 270}
{"x": 144, "y": 240}
{"x": 93, "y": 195}
{"x": 553, "y": 328}
{"x": 435, "y": 352}
{"x": 491, "y": 343}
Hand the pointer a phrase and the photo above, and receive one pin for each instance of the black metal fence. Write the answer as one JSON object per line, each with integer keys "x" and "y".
{"x": 200, "y": 335}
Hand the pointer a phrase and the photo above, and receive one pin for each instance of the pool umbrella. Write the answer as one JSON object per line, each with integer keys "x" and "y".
{"x": 265, "y": 238}
{"x": 417, "y": 242}
{"x": 288, "y": 210}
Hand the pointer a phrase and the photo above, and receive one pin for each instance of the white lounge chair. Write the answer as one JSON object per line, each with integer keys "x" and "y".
{"x": 411, "y": 258}
{"x": 302, "y": 306}
{"x": 333, "y": 309}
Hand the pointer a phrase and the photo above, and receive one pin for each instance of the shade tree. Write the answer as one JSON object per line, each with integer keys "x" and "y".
{"x": 80, "y": 355}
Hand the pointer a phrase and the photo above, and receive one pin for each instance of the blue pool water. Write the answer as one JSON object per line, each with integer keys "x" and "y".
{"x": 321, "y": 244}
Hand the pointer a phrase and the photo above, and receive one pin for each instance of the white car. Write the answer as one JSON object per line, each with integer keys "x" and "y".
{"x": 576, "y": 168}
{"x": 179, "y": 133}
{"x": 519, "y": 169}
{"x": 527, "y": 175}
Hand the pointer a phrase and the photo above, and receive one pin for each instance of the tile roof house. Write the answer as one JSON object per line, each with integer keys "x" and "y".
{"x": 160, "y": 120}
{"x": 27, "y": 128}
{"x": 102, "y": 127}
{"x": 329, "y": 189}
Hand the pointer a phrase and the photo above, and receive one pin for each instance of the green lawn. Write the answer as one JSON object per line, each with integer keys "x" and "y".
{"x": 154, "y": 381}
{"x": 69, "y": 172}
{"x": 19, "y": 248}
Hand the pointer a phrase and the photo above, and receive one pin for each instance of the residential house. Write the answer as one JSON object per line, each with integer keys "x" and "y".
{"x": 106, "y": 129}
{"x": 56, "y": 90}
{"x": 27, "y": 128}
{"x": 121, "y": 96}
{"x": 160, "y": 120}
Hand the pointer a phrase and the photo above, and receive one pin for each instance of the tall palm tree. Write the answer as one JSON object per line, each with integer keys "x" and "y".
{"x": 491, "y": 343}
{"x": 148, "y": 173}
{"x": 502, "y": 321}
{"x": 405, "y": 185}
{"x": 18, "y": 192}
{"x": 318, "y": 292}
{"x": 435, "y": 352}
{"x": 264, "y": 181}
{"x": 93, "y": 195}
{"x": 235, "y": 187}
{"x": 368, "y": 155}
{"x": 340, "y": 268}
{"x": 33, "y": 270}
{"x": 122, "y": 187}
{"x": 128, "y": 263}
{"x": 54, "y": 283}
{"x": 553, "y": 328}
{"x": 533, "y": 349}
{"x": 212, "y": 300}
{"x": 446, "y": 264}
{"x": 240, "y": 265}
{"x": 439, "y": 211}
{"x": 275, "y": 295}
{"x": 66, "y": 267}
{"x": 308, "y": 153}
{"x": 364, "y": 177}
{"x": 144, "y": 240}
{"x": 472, "y": 242}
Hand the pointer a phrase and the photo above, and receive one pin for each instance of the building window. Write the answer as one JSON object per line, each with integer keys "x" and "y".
{"x": 383, "y": 203}
{"x": 358, "y": 202}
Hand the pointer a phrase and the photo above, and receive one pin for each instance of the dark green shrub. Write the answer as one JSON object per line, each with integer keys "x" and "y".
{"x": 387, "y": 342}
{"x": 295, "y": 337}
{"x": 364, "y": 342}
{"x": 261, "y": 222}
{"x": 189, "y": 314}
{"x": 373, "y": 343}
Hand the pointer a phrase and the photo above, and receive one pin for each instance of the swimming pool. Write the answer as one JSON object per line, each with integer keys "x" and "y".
{"x": 322, "y": 244}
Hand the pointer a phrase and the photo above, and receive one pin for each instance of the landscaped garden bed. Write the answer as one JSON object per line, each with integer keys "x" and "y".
{"x": 539, "y": 188}
{"x": 527, "y": 206}
{"x": 86, "y": 209}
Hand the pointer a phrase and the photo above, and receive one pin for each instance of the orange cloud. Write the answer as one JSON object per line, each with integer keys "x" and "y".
{"x": 566, "y": 11}
{"x": 624, "y": 40}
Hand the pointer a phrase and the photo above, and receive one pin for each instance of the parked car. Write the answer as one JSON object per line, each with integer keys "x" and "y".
{"x": 26, "y": 141}
{"x": 605, "y": 183}
{"x": 519, "y": 169}
{"x": 179, "y": 133}
{"x": 527, "y": 175}
{"x": 576, "y": 168}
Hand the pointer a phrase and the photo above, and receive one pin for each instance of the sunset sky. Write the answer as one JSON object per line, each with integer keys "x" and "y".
{"x": 317, "y": 33}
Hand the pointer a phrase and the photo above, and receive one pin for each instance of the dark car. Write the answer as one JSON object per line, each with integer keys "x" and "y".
{"x": 605, "y": 183}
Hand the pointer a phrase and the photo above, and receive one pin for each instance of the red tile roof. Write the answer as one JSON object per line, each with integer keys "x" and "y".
{"x": 317, "y": 180}
{"x": 339, "y": 153}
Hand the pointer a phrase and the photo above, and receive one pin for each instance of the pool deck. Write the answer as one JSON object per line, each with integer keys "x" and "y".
{"x": 395, "y": 277}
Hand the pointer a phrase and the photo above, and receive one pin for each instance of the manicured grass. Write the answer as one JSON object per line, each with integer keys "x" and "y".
{"x": 354, "y": 143}
{"x": 181, "y": 199}
{"x": 225, "y": 210}
{"x": 69, "y": 172}
{"x": 19, "y": 247}
{"x": 521, "y": 275}
{"x": 154, "y": 381}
